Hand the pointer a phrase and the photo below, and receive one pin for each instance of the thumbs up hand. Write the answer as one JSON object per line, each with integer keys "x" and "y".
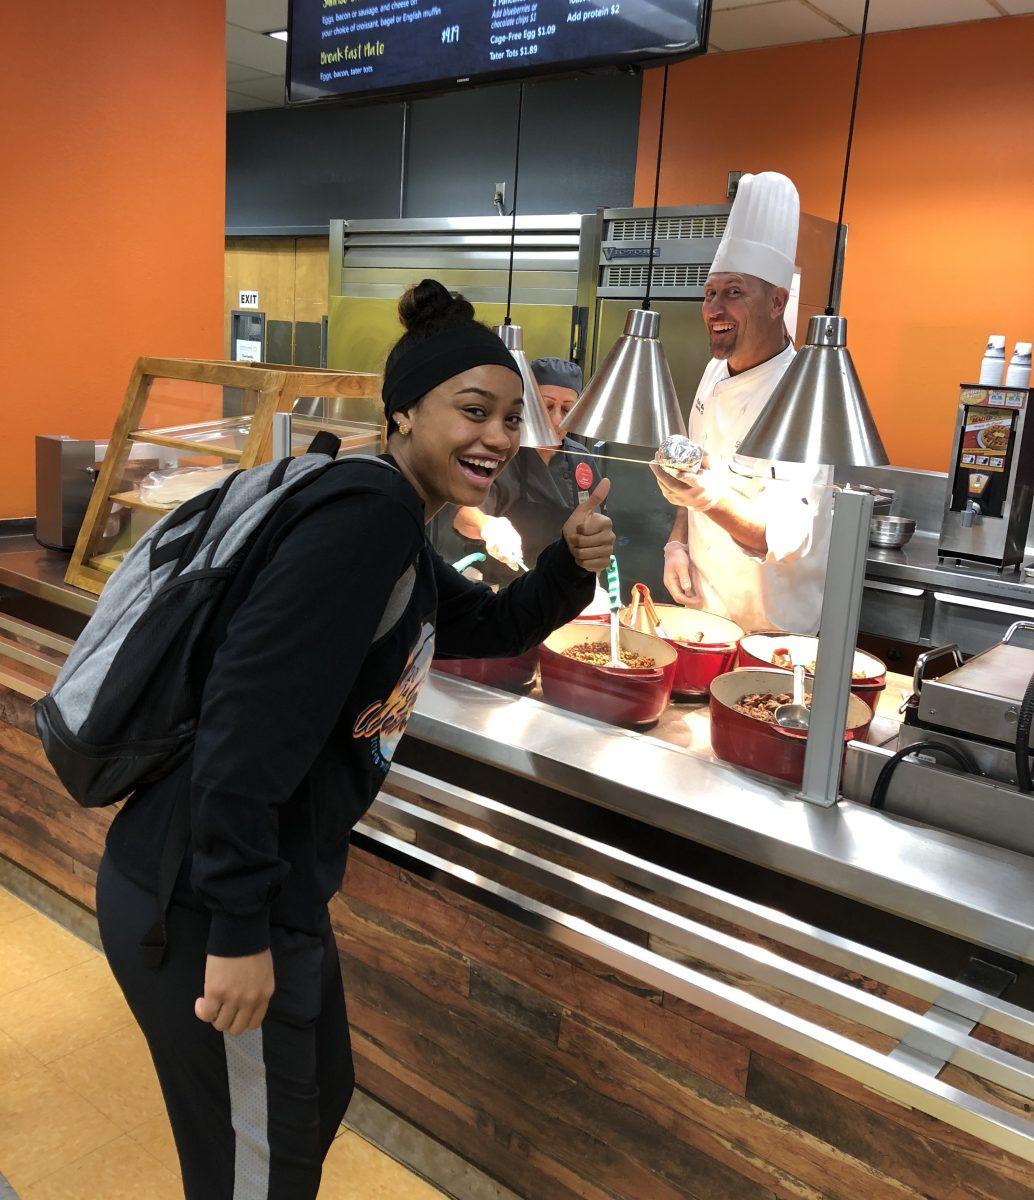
{"x": 589, "y": 534}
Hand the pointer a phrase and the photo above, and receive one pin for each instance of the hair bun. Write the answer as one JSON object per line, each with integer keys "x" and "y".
{"x": 430, "y": 307}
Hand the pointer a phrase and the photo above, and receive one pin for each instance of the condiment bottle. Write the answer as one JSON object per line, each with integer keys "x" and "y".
{"x": 1018, "y": 374}
{"x": 993, "y": 363}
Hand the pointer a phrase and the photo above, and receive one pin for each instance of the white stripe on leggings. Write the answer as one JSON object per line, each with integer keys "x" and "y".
{"x": 246, "y": 1072}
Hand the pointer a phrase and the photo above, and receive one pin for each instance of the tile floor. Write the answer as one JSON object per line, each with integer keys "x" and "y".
{"x": 81, "y": 1116}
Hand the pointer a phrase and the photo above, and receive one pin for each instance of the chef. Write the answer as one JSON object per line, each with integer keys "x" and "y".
{"x": 750, "y": 538}
{"x": 530, "y": 501}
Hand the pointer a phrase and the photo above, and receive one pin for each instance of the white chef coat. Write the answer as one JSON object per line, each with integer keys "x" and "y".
{"x": 783, "y": 589}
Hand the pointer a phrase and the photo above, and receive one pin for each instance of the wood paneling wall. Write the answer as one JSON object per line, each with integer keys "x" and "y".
{"x": 290, "y": 274}
{"x": 560, "y": 1077}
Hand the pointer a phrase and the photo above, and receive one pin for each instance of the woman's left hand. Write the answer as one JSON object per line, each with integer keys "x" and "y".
{"x": 589, "y": 534}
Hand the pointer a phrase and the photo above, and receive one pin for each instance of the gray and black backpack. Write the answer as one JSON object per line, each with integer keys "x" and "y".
{"x": 124, "y": 708}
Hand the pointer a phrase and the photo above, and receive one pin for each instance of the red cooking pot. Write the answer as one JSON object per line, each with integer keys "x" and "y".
{"x": 758, "y": 745}
{"x": 704, "y": 643}
{"x": 620, "y": 697}
{"x": 510, "y": 674}
{"x": 760, "y": 650}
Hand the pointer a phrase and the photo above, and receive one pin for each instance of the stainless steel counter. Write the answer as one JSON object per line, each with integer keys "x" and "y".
{"x": 912, "y": 598}
{"x": 669, "y": 779}
{"x": 26, "y": 567}
{"x": 918, "y": 563}
{"x": 980, "y": 893}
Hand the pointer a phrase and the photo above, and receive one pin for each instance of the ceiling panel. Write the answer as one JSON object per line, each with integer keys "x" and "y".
{"x": 1016, "y": 7}
{"x": 237, "y": 73}
{"x": 257, "y": 50}
{"x": 270, "y": 87}
{"x": 235, "y": 102}
{"x": 776, "y": 24}
{"x": 261, "y": 15}
{"x": 894, "y": 14}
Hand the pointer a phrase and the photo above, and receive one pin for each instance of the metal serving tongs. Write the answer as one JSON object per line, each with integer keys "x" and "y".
{"x": 642, "y": 612}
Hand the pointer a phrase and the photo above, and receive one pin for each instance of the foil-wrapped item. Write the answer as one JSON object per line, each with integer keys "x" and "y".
{"x": 679, "y": 456}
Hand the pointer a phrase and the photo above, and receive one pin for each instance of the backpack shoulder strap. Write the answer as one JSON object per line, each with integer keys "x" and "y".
{"x": 402, "y": 592}
{"x": 398, "y": 602}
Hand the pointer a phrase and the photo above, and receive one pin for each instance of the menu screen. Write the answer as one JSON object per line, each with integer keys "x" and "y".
{"x": 358, "y": 48}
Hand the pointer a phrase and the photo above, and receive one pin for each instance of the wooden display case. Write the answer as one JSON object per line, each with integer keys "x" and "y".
{"x": 195, "y": 413}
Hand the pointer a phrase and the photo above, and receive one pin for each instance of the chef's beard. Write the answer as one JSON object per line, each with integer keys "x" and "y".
{"x": 723, "y": 349}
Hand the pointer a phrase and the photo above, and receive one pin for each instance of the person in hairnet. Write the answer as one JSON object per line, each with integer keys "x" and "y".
{"x": 750, "y": 539}
{"x": 530, "y": 501}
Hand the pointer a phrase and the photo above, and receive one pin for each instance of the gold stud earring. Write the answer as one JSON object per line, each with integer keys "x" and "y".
{"x": 404, "y": 428}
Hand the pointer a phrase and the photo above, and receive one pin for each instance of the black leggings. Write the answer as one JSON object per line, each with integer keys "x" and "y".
{"x": 254, "y": 1115}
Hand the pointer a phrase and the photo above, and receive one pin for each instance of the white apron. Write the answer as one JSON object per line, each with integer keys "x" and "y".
{"x": 782, "y": 590}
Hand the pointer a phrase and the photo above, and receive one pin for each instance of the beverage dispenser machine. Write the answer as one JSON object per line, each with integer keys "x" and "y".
{"x": 991, "y": 479}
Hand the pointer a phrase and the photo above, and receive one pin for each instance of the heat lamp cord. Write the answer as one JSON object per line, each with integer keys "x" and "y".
{"x": 513, "y": 224}
{"x": 830, "y": 309}
{"x": 656, "y": 190}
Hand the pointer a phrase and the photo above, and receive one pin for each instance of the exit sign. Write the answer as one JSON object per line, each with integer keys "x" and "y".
{"x": 248, "y": 300}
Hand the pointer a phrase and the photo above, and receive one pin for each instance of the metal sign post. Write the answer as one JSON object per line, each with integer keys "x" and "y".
{"x": 838, "y": 636}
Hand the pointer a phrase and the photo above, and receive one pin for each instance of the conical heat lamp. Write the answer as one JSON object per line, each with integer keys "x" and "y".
{"x": 631, "y": 398}
{"x": 818, "y": 412}
{"x": 536, "y": 428}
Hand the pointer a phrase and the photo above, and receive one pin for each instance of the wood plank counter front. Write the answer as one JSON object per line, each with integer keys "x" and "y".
{"x": 558, "y": 1076}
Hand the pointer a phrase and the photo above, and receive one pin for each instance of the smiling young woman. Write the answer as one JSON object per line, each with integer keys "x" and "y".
{"x": 311, "y": 685}
{"x": 454, "y": 439}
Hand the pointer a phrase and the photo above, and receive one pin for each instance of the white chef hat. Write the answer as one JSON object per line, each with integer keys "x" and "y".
{"x": 761, "y": 236}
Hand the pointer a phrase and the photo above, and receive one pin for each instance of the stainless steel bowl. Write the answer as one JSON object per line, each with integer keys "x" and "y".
{"x": 891, "y": 533}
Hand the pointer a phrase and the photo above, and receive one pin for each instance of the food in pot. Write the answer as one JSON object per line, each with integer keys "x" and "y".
{"x": 597, "y": 654}
{"x": 761, "y": 706}
{"x": 694, "y": 639}
{"x": 679, "y": 456}
{"x": 783, "y": 659}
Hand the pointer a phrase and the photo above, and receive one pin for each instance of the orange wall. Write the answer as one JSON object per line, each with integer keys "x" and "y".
{"x": 941, "y": 200}
{"x": 112, "y": 167}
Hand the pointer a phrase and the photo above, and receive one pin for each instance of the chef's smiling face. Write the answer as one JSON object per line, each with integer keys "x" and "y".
{"x": 462, "y": 434}
{"x": 744, "y": 318}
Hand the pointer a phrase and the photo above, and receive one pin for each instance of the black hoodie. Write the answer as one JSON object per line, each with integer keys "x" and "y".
{"x": 302, "y": 710}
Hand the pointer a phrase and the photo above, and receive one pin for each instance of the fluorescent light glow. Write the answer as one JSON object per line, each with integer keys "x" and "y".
{"x": 279, "y": 34}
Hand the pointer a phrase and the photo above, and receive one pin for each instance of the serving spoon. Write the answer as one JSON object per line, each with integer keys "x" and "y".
{"x": 796, "y": 715}
{"x": 614, "y": 593}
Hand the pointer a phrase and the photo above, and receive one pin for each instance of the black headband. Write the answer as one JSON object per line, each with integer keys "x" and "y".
{"x": 439, "y": 358}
